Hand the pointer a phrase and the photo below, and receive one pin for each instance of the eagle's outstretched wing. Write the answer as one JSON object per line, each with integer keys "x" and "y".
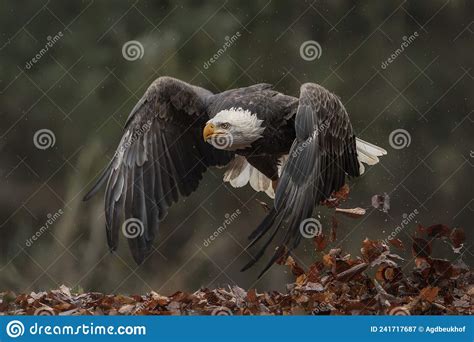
{"x": 323, "y": 152}
{"x": 161, "y": 155}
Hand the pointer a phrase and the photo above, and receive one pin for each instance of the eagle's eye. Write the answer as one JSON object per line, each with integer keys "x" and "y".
{"x": 225, "y": 125}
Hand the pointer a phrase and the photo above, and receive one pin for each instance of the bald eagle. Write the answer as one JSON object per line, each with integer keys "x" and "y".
{"x": 297, "y": 150}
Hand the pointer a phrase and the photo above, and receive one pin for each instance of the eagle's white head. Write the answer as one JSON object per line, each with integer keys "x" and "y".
{"x": 233, "y": 129}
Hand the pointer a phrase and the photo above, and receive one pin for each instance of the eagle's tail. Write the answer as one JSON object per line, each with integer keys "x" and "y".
{"x": 239, "y": 173}
{"x": 368, "y": 153}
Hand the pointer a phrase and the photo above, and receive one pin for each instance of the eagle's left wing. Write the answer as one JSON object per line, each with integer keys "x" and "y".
{"x": 323, "y": 152}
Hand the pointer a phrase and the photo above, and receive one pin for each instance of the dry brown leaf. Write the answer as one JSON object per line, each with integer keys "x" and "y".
{"x": 352, "y": 272}
{"x": 320, "y": 242}
{"x": 337, "y": 197}
{"x": 438, "y": 230}
{"x": 397, "y": 243}
{"x": 372, "y": 249}
{"x": 252, "y": 296}
{"x": 429, "y": 293}
{"x": 457, "y": 236}
{"x": 294, "y": 267}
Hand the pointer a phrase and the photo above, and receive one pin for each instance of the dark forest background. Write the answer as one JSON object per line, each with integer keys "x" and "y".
{"x": 82, "y": 90}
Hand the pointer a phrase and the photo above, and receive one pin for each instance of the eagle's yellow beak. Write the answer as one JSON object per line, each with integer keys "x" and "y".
{"x": 208, "y": 131}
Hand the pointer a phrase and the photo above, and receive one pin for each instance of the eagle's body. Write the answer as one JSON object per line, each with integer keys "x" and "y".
{"x": 306, "y": 145}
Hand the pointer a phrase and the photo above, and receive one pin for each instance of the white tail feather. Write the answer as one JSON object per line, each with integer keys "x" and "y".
{"x": 240, "y": 172}
{"x": 368, "y": 153}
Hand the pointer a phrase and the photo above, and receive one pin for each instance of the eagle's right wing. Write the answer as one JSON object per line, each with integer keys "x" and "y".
{"x": 161, "y": 155}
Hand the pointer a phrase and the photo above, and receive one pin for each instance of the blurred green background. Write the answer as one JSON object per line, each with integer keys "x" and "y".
{"x": 82, "y": 89}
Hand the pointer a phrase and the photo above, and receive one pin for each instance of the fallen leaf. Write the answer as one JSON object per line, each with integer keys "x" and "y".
{"x": 252, "y": 295}
{"x": 294, "y": 267}
{"x": 320, "y": 242}
{"x": 443, "y": 268}
{"x": 397, "y": 243}
{"x": 389, "y": 274}
{"x": 314, "y": 272}
{"x": 457, "y": 236}
{"x": 372, "y": 249}
{"x": 352, "y": 272}
{"x": 438, "y": 231}
{"x": 429, "y": 293}
{"x": 337, "y": 197}
{"x": 126, "y": 309}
